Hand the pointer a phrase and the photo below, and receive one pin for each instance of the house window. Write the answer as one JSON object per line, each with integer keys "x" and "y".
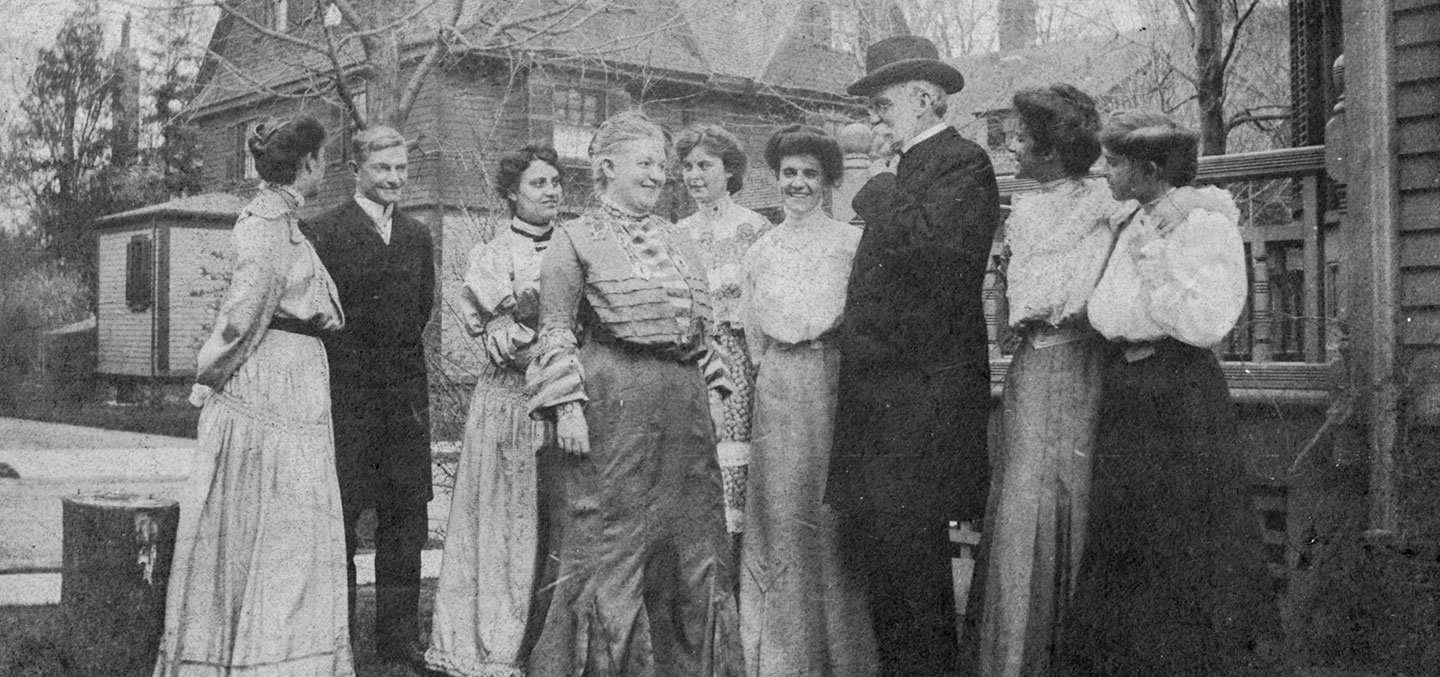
{"x": 139, "y": 273}
{"x": 245, "y": 160}
{"x": 844, "y": 29}
{"x": 995, "y": 138}
{"x": 578, "y": 113}
{"x": 348, "y": 128}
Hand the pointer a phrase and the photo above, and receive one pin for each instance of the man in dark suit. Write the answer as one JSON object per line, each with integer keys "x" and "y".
{"x": 382, "y": 263}
{"x": 909, "y": 452}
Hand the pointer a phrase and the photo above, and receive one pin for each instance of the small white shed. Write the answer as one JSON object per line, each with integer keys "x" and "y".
{"x": 161, "y": 271}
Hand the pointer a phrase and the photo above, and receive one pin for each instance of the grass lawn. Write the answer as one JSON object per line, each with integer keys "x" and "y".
{"x": 33, "y": 642}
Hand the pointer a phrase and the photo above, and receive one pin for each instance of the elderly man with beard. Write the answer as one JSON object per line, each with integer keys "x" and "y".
{"x": 914, "y": 394}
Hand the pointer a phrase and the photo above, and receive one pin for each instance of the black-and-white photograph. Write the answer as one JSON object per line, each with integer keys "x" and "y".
{"x": 720, "y": 338}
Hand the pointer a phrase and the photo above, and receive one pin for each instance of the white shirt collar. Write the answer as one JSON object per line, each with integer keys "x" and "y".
{"x": 379, "y": 214}
{"x": 915, "y": 140}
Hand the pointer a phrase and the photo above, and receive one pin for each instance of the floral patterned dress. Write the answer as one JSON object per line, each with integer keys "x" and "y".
{"x": 723, "y": 231}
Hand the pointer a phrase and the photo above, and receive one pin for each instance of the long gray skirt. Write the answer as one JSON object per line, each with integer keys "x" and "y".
{"x": 1039, "y": 500}
{"x": 489, "y": 575}
{"x": 803, "y": 612}
{"x": 645, "y": 582}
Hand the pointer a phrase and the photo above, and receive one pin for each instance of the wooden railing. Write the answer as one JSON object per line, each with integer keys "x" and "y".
{"x": 1287, "y": 335}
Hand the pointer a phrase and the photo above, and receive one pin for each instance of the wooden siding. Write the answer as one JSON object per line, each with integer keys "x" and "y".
{"x": 461, "y": 355}
{"x": 1417, "y": 73}
{"x": 481, "y": 116}
{"x": 200, "y": 260}
{"x": 124, "y": 341}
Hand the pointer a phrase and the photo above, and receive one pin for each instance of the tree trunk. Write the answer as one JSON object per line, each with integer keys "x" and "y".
{"x": 382, "y": 98}
{"x": 1210, "y": 76}
{"x": 117, "y": 550}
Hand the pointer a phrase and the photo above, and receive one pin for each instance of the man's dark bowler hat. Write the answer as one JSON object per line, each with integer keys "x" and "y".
{"x": 904, "y": 58}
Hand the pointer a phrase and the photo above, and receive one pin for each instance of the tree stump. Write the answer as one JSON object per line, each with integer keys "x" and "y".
{"x": 117, "y": 552}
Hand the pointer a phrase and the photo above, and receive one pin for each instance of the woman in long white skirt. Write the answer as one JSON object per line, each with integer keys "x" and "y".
{"x": 487, "y": 611}
{"x": 258, "y": 584}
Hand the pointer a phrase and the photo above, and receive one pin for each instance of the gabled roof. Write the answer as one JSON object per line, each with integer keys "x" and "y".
{"x": 1097, "y": 66}
{"x": 745, "y": 41}
{"x": 208, "y": 206}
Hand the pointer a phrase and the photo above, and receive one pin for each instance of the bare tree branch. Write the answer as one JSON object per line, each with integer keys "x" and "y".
{"x": 1186, "y": 11}
{"x": 1235, "y": 34}
{"x": 437, "y": 50}
{"x": 393, "y": 25}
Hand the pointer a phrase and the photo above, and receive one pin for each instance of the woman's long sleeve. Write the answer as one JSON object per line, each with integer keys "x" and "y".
{"x": 755, "y": 340}
{"x": 488, "y": 304}
{"x": 554, "y": 376}
{"x": 256, "y": 287}
{"x": 1195, "y": 278}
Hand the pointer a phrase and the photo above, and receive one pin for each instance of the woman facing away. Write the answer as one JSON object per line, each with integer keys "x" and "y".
{"x": 713, "y": 167}
{"x": 1058, "y": 238}
{"x": 801, "y": 612}
{"x": 623, "y": 362}
{"x": 488, "y": 603}
{"x": 258, "y": 585}
{"x": 1172, "y": 580}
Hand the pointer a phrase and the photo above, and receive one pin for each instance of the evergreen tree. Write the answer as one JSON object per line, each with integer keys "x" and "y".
{"x": 62, "y": 141}
{"x": 63, "y": 144}
{"x": 175, "y": 64}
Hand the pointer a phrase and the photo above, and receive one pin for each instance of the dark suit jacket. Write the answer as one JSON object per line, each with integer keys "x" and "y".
{"x": 914, "y": 391}
{"x": 378, "y": 383}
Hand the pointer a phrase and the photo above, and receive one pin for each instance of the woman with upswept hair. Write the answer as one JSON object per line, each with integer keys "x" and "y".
{"x": 623, "y": 364}
{"x": 712, "y": 166}
{"x": 489, "y": 601}
{"x": 258, "y": 583}
{"x": 1172, "y": 580}
{"x": 1057, "y": 239}
{"x": 802, "y": 610}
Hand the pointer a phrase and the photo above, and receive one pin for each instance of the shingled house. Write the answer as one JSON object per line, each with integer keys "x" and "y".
{"x": 749, "y": 65}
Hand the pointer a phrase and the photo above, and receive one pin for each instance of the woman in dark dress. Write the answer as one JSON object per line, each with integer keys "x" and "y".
{"x": 1172, "y": 581}
{"x": 623, "y": 363}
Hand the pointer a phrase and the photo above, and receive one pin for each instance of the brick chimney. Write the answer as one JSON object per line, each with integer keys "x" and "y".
{"x": 1017, "y": 24}
{"x": 125, "y": 137}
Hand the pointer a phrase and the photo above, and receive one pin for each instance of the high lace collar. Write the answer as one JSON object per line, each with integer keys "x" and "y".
{"x": 1064, "y": 183}
{"x": 294, "y": 198}
{"x": 530, "y": 230}
{"x": 1176, "y": 203}
{"x": 816, "y": 216}
{"x": 619, "y": 212}
{"x": 714, "y": 209}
